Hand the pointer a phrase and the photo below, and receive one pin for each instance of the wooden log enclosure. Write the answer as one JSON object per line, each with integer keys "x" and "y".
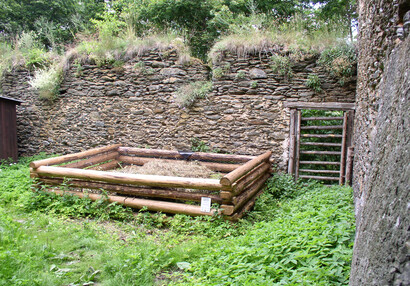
{"x": 235, "y": 193}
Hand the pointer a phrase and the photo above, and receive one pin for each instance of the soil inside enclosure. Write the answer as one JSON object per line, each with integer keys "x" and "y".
{"x": 188, "y": 169}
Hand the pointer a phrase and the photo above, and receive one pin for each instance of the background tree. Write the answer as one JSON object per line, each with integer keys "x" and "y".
{"x": 55, "y": 21}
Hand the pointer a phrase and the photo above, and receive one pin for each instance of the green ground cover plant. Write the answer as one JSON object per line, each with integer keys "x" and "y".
{"x": 298, "y": 234}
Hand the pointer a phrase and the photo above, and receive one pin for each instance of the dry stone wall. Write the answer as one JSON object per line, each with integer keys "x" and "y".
{"x": 135, "y": 105}
{"x": 381, "y": 181}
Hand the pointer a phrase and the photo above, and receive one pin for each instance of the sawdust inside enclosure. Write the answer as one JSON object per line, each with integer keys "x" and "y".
{"x": 188, "y": 169}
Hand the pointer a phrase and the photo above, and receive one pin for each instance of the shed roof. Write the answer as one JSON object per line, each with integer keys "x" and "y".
{"x": 16, "y": 101}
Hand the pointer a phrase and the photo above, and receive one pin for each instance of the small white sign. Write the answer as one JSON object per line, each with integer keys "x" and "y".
{"x": 205, "y": 204}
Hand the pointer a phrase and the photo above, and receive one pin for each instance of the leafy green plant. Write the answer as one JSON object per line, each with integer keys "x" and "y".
{"x": 240, "y": 74}
{"x": 309, "y": 240}
{"x": 281, "y": 65}
{"x": 313, "y": 82}
{"x": 197, "y": 145}
{"x": 6, "y": 57}
{"x": 220, "y": 71}
{"x": 78, "y": 68}
{"x": 188, "y": 94}
{"x": 254, "y": 84}
{"x": 217, "y": 73}
{"x": 340, "y": 61}
{"x": 303, "y": 234}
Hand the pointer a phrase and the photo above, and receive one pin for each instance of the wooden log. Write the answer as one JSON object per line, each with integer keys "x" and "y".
{"x": 160, "y": 206}
{"x": 171, "y": 154}
{"x": 130, "y": 190}
{"x": 33, "y": 174}
{"x": 226, "y": 195}
{"x": 321, "y": 152}
{"x": 240, "y": 200}
{"x": 253, "y": 175}
{"x": 349, "y": 130}
{"x": 93, "y": 160}
{"x": 343, "y": 151}
{"x": 321, "y": 135}
{"x": 215, "y": 157}
{"x": 227, "y": 209}
{"x": 297, "y": 150}
{"x": 320, "y": 105}
{"x": 319, "y": 178}
{"x": 246, "y": 208}
{"x": 319, "y": 171}
{"x": 72, "y": 157}
{"x": 218, "y": 167}
{"x": 321, "y": 118}
{"x": 322, "y": 144}
{"x": 236, "y": 174}
{"x": 319, "y": 163}
{"x": 292, "y": 142}
{"x": 132, "y": 179}
{"x": 349, "y": 165}
{"x": 157, "y": 153}
{"x": 106, "y": 166}
{"x": 328, "y": 127}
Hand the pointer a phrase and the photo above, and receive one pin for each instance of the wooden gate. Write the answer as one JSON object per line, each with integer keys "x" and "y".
{"x": 320, "y": 147}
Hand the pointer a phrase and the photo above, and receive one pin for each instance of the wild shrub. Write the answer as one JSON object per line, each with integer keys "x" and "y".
{"x": 6, "y": 57}
{"x": 340, "y": 61}
{"x": 188, "y": 94}
{"x": 313, "y": 82}
{"x": 47, "y": 82}
{"x": 282, "y": 65}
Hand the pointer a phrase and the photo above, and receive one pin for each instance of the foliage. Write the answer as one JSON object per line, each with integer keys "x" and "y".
{"x": 302, "y": 232}
{"x": 282, "y": 65}
{"x": 278, "y": 188}
{"x": 25, "y": 50}
{"x": 73, "y": 206}
{"x": 309, "y": 241}
{"x": 108, "y": 27}
{"x": 53, "y": 21}
{"x": 240, "y": 74}
{"x": 254, "y": 84}
{"x": 47, "y": 82}
{"x": 30, "y": 49}
{"x": 313, "y": 82}
{"x": 340, "y": 61}
{"x": 188, "y": 94}
{"x": 197, "y": 145}
{"x": 6, "y": 57}
{"x": 300, "y": 36}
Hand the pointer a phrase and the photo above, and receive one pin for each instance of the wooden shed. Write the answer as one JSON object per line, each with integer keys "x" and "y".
{"x": 8, "y": 128}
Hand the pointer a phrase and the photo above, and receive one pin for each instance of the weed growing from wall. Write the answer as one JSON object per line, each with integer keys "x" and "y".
{"x": 188, "y": 94}
{"x": 254, "y": 84}
{"x": 313, "y": 82}
{"x": 219, "y": 72}
{"x": 47, "y": 82}
{"x": 340, "y": 61}
{"x": 240, "y": 75}
{"x": 282, "y": 65}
